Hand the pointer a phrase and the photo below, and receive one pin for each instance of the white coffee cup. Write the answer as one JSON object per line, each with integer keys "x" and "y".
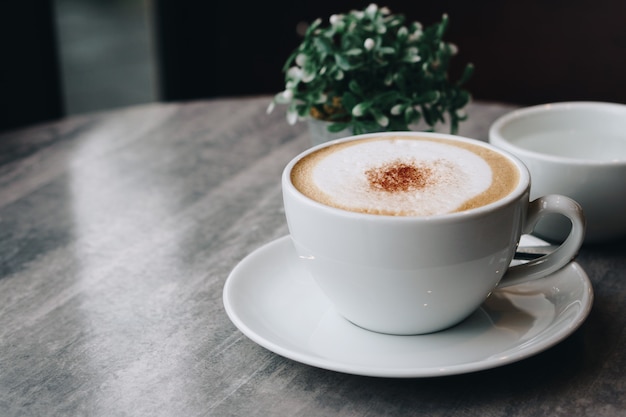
{"x": 420, "y": 274}
{"x": 577, "y": 149}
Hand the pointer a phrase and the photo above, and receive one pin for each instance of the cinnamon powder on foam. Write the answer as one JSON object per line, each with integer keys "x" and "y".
{"x": 399, "y": 176}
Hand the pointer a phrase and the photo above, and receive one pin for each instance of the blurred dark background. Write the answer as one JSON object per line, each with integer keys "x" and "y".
{"x": 61, "y": 57}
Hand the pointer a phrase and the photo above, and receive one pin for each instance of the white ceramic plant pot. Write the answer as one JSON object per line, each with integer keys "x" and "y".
{"x": 318, "y": 130}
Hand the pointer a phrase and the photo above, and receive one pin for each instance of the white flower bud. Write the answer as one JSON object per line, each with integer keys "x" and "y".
{"x": 415, "y": 36}
{"x": 415, "y": 59}
{"x": 322, "y": 98}
{"x": 369, "y": 44}
{"x": 294, "y": 73}
{"x": 397, "y": 109}
{"x": 382, "y": 120}
{"x": 284, "y": 97}
{"x": 411, "y": 55}
{"x": 307, "y": 77}
{"x": 371, "y": 9}
{"x": 292, "y": 116}
{"x": 301, "y": 59}
{"x": 357, "y": 111}
{"x": 271, "y": 107}
{"x": 287, "y": 95}
{"x": 412, "y": 50}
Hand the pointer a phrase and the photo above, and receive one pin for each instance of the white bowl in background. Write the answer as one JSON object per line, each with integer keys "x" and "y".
{"x": 576, "y": 149}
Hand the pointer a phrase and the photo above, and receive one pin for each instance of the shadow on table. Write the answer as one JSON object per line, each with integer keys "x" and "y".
{"x": 571, "y": 366}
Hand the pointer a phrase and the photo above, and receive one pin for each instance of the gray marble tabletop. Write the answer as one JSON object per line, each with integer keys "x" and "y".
{"x": 118, "y": 231}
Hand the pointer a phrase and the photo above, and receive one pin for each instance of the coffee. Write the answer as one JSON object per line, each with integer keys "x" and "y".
{"x": 405, "y": 176}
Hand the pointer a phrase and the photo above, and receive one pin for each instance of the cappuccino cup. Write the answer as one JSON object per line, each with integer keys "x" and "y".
{"x": 409, "y": 232}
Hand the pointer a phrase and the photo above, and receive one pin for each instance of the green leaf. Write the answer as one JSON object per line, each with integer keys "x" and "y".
{"x": 387, "y": 50}
{"x": 342, "y": 62}
{"x": 461, "y": 99}
{"x": 323, "y": 45}
{"x": 354, "y": 52}
{"x": 348, "y": 101}
{"x": 467, "y": 74}
{"x": 355, "y": 88}
{"x": 337, "y": 127}
{"x": 316, "y": 23}
{"x": 380, "y": 118}
{"x": 443, "y": 26}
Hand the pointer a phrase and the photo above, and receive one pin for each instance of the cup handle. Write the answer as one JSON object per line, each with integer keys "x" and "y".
{"x": 554, "y": 261}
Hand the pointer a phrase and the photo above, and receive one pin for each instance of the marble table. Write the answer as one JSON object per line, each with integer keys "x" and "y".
{"x": 118, "y": 231}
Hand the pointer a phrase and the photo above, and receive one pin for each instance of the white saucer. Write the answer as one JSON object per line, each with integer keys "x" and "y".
{"x": 277, "y": 305}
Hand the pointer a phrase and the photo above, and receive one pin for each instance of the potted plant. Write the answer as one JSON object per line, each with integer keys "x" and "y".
{"x": 370, "y": 71}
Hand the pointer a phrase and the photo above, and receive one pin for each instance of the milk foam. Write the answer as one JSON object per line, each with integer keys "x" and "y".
{"x": 452, "y": 176}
